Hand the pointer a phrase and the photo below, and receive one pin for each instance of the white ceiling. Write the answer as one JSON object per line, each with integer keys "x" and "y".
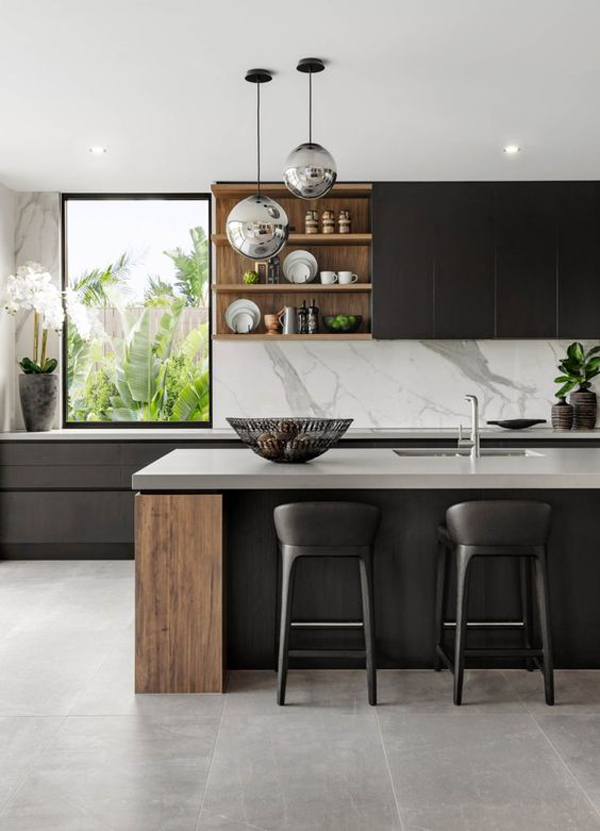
{"x": 415, "y": 89}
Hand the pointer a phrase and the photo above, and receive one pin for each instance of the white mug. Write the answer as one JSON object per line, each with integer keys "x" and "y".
{"x": 346, "y": 277}
{"x": 329, "y": 277}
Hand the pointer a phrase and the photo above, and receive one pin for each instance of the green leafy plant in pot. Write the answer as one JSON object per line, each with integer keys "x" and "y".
{"x": 578, "y": 369}
{"x": 32, "y": 289}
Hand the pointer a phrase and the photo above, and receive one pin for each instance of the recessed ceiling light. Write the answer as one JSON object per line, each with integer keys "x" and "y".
{"x": 96, "y": 150}
{"x": 512, "y": 149}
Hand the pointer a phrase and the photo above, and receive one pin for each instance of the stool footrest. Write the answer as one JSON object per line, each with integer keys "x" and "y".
{"x": 327, "y": 624}
{"x": 327, "y": 653}
{"x": 517, "y": 652}
{"x": 488, "y": 624}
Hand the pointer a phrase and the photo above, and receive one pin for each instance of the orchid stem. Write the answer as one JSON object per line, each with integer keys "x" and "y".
{"x": 36, "y": 336}
{"x": 44, "y": 345}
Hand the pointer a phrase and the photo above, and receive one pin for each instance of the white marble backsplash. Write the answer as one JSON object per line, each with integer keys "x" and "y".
{"x": 378, "y": 383}
{"x": 385, "y": 383}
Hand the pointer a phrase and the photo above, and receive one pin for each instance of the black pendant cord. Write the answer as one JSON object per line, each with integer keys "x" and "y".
{"x": 258, "y": 139}
{"x": 310, "y": 107}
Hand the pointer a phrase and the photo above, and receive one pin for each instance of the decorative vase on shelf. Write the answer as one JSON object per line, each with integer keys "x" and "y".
{"x": 39, "y": 396}
{"x": 585, "y": 409}
{"x": 562, "y": 415}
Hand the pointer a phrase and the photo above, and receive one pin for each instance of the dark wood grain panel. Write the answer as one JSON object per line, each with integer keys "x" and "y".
{"x": 179, "y": 594}
{"x": 403, "y": 259}
{"x": 526, "y": 262}
{"x": 464, "y": 284}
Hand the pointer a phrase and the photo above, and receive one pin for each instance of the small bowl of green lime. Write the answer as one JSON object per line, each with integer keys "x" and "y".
{"x": 342, "y": 324}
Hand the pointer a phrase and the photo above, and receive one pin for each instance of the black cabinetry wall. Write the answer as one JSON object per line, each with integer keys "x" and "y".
{"x": 486, "y": 260}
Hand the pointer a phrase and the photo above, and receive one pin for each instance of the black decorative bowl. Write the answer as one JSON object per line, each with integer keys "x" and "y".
{"x": 342, "y": 324}
{"x": 518, "y": 423}
{"x": 290, "y": 440}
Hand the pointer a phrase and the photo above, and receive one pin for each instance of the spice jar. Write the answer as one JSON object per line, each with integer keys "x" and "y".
{"x": 344, "y": 222}
{"x": 328, "y": 222}
{"x": 311, "y": 222}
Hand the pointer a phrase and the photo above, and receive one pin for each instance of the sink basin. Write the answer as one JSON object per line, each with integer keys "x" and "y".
{"x": 465, "y": 451}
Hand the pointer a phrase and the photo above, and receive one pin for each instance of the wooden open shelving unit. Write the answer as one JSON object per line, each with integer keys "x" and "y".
{"x": 333, "y": 252}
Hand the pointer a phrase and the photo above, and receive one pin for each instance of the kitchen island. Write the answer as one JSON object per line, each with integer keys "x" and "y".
{"x": 207, "y": 560}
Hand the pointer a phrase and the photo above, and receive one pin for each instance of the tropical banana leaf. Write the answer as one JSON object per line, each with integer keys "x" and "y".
{"x": 163, "y": 341}
{"x": 193, "y": 400}
{"x": 140, "y": 367}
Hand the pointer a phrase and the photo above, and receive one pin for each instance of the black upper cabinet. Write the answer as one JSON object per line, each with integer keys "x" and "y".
{"x": 403, "y": 218}
{"x": 578, "y": 259}
{"x": 464, "y": 261}
{"x": 486, "y": 260}
{"x": 526, "y": 265}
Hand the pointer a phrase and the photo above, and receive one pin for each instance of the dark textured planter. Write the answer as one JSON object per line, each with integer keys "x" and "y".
{"x": 585, "y": 409}
{"x": 39, "y": 397}
{"x": 562, "y": 416}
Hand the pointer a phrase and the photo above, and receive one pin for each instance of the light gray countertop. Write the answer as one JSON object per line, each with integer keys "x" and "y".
{"x": 539, "y": 433}
{"x": 340, "y": 468}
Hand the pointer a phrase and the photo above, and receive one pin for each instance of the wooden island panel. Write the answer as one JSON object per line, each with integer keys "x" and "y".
{"x": 179, "y": 639}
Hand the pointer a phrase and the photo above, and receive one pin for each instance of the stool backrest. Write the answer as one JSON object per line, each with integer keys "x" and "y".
{"x": 497, "y": 522}
{"x": 326, "y": 523}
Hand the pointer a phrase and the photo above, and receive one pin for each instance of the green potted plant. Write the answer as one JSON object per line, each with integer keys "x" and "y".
{"x": 32, "y": 289}
{"x": 578, "y": 369}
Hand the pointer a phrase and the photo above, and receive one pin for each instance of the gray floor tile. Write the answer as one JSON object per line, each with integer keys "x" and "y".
{"x": 111, "y": 692}
{"x": 493, "y": 772}
{"x": 426, "y": 691}
{"x": 310, "y": 769}
{"x": 120, "y": 773}
{"x": 42, "y": 673}
{"x": 577, "y": 741}
{"x": 22, "y": 740}
{"x": 576, "y": 691}
{"x": 254, "y": 692}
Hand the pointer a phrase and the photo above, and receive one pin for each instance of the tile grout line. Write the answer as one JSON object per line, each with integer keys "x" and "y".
{"x": 534, "y": 718}
{"x": 387, "y": 764}
{"x": 212, "y": 756}
{"x": 35, "y": 759}
{"x": 566, "y": 766}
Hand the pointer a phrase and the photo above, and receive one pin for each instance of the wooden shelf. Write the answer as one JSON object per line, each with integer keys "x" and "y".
{"x": 305, "y": 288}
{"x": 324, "y": 336}
{"x": 313, "y": 239}
{"x": 278, "y": 189}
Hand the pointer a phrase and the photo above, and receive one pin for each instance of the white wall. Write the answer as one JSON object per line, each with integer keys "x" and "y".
{"x": 7, "y": 334}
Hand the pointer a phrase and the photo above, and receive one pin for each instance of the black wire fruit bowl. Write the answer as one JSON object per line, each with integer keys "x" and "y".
{"x": 290, "y": 440}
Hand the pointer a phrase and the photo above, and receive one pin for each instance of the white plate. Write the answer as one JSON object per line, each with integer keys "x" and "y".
{"x": 245, "y": 307}
{"x": 299, "y": 272}
{"x": 299, "y": 257}
{"x": 243, "y": 322}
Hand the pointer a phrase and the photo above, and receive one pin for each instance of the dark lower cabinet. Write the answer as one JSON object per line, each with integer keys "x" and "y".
{"x": 486, "y": 260}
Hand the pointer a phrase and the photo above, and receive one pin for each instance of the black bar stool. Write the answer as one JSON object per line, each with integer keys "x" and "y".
{"x": 495, "y": 528}
{"x": 326, "y": 529}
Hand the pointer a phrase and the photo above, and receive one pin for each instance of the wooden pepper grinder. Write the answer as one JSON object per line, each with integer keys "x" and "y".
{"x": 328, "y": 222}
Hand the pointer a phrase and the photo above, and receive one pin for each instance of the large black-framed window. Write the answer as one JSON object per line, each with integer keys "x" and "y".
{"x": 137, "y": 340}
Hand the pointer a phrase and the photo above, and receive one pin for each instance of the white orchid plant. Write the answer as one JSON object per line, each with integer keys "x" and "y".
{"x": 31, "y": 288}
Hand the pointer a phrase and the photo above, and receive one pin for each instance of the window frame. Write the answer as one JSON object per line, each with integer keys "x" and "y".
{"x": 133, "y": 425}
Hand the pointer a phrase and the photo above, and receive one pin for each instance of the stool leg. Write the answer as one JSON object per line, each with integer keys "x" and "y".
{"x": 463, "y": 562}
{"x": 366, "y": 590}
{"x": 288, "y": 571}
{"x": 440, "y": 604}
{"x": 541, "y": 585}
{"x": 526, "y": 617}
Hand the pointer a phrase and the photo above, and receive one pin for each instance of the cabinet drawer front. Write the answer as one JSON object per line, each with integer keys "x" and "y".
{"x": 57, "y": 477}
{"x": 58, "y": 452}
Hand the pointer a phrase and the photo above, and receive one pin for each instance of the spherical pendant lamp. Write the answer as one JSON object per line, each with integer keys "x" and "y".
{"x": 310, "y": 170}
{"x": 257, "y": 227}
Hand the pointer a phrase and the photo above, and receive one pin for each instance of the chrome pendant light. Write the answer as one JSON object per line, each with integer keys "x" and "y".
{"x": 257, "y": 227}
{"x": 310, "y": 170}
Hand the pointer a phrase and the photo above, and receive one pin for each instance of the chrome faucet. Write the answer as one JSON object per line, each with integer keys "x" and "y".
{"x": 473, "y": 443}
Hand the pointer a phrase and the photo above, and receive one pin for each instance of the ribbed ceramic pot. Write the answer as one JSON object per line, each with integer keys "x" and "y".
{"x": 585, "y": 409}
{"x": 562, "y": 416}
{"x": 39, "y": 396}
